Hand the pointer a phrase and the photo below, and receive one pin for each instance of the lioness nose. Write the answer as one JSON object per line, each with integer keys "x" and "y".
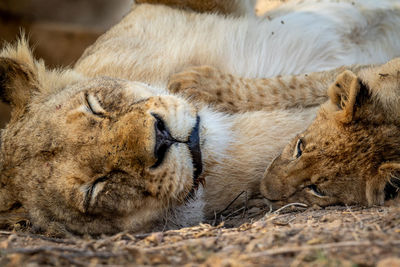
{"x": 164, "y": 140}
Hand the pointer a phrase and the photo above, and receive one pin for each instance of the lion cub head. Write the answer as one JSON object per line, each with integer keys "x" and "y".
{"x": 350, "y": 154}
{"x": 92, "y": 155}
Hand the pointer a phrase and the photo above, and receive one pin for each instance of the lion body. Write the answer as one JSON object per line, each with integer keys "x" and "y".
{"x": 306, "y": 37}
{"x": 93, "y": 162}
{"x": 350, "y": 153}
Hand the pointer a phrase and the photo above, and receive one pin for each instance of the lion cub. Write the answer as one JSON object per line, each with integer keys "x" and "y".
{"x": 350, "y": 154}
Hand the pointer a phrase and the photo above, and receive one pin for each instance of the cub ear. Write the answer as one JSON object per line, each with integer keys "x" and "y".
{"x": 343, "y": 93}
{"x": 17, "y": 83}
{"x": 385, "y": 185}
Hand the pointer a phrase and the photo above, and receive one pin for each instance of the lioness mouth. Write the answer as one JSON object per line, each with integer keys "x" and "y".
{"x": 164, "y": 140}
{"x": 195, "y": 151}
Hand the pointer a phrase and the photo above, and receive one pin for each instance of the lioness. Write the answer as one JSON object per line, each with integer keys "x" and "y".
{"x": 104, "y": 147}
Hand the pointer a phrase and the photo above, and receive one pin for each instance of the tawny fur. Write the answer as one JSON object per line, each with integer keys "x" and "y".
{"x": 233, "y": 94}
{"x": 79, "y": 150}
{"x": 350, "y": 154}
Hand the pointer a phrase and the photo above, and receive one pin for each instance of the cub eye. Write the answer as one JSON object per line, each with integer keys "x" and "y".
{"x": 94, "y": 106}
{"x": 298, "y": 150}
{"x": 315, "y": 191}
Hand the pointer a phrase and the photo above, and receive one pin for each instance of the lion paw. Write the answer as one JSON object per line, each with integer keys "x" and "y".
{"x": 198, "y": 84}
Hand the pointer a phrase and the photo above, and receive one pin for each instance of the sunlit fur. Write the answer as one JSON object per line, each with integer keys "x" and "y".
{"x": 351, "y": 151}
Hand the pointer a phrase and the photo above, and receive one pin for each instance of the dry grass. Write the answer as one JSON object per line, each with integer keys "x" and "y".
{"x": 336, "y": 236}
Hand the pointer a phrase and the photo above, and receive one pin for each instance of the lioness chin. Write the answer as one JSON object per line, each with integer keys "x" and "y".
{"x": 104, "y": 147}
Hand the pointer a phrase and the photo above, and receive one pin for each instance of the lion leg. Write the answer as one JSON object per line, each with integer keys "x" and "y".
{"x": 225, "y": 7}
{"x": 228, "y": 93}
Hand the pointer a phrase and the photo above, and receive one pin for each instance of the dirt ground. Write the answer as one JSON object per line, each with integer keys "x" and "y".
{"x": 334, "y": 236}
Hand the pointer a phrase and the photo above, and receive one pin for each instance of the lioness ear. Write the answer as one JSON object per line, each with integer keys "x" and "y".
{"x": 6, "y": 199}
{"x": 7, "y": 194}
{"x": 11, "y": 211}
{"x": 343, "y": 93}
{"x": 17, "y": 83}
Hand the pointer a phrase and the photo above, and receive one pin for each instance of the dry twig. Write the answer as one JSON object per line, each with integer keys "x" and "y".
{"x": 290, "y": 205}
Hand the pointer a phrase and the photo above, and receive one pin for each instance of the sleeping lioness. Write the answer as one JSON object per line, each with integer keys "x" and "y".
{"x": 104, "y": 147}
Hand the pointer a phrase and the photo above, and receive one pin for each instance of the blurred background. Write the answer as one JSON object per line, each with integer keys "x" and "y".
{"x": 60, "y": 30}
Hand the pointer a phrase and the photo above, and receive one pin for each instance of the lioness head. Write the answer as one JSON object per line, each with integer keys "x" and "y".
{"x": 96, "y": 155}
{"x": 350, "y": 154}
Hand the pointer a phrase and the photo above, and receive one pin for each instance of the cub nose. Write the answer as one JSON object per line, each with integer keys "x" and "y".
{"x": 164, "y": 140}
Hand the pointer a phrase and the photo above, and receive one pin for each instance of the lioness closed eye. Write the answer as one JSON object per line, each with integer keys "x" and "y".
{"x": 350, "y": 154}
